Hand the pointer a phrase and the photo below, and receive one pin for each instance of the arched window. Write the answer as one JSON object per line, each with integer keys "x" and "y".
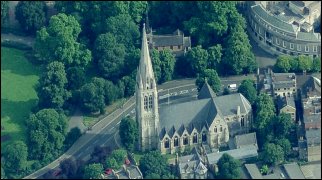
{"x": 185, "y": 139}
{"x": 166, "y": 143}
{"x": 242, "y": 122}
{"x": 215, "y": 129}
{"x": 150, "y": 102}
{"x": 176, "y": 141}
{"x": 204, "y": 136}
{"x": 195, "y": 138}
{"x": 220, "y": 130}
{"x": 147, "y": 83}
{"x": 146, "y": 103}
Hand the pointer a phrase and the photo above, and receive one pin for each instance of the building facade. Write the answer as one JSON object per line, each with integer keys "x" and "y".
{"x": 208, "y": 120}
{"x": 285, "y": 27}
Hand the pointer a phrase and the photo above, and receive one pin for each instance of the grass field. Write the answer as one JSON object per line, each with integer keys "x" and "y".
{"x": 18, "y": 95}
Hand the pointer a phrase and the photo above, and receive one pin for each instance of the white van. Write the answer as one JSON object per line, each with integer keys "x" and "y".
{"x": 232, "y": 86}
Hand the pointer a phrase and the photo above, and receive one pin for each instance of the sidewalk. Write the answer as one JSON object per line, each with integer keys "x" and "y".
{"x": 29, "y": 41}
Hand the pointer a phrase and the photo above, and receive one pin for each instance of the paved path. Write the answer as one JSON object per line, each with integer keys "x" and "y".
{"x": 29, "y": 41}
{"x": 76, "y": 121}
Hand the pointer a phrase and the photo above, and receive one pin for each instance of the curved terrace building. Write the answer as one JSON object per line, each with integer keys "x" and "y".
{"x": 285, "y": 27}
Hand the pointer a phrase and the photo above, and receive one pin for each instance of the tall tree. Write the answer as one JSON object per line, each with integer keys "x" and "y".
{"x": 156, "y": 64}
{"x": 283, "y": 63}
{"x": 52, "y": 91}
{"x": 4, "y": 12}
{"x": 316, "y": 65}
{"x": 110, "y": 56}
{"x": 76, "y": 77}
{"x": 212, "y": 79}
{"x": 167, "y": 65}
{"x": 93, "y": 171}
{"x": 265, "y": 111}
{"x": 228, "y": 167}
{"x": 31, "y": 15}
{"x": 15, "y": 156}
{"x": 58, "y": 42}
{"x": 305, "y": 63}
{"x": 154, "y": 163}
{"x": 72, "y": 136}
{"x": 238, "y": 56}
{"x": 286, "y": 146}
{"x": 273, "y": 153}
{"x": 69, "y": 167}
{"x": 116, "y": 159}
{"x": 110, "y": 92}
{"x": 92, "y": 98}
{"x": 128, "y": 133}
{"x": 46, "y": 134}
{"x": 197, "y": 58}
{"x": 215, "y": 54}
{"x": 248, "y": 90}
{"x": 282, "y": 125}
{"x": 129, "y": 85}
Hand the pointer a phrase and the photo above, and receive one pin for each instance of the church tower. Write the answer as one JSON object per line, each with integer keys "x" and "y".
{"x": 147, "y": 114}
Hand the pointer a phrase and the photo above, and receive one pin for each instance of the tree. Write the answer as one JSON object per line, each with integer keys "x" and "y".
{"x": 167, "y": 65}
{"x": 197, "y": 58}
{"x": 210, "y": 23}
{"x": 4, "y": 13}
{"x": 228, "y": 167}
{"x": 116, "y": 159}
{"x": 264, "y": 169}
{"x": 124, "y": 29}
{"x": 15, "y": 155}
{"x": 286, "y": 146}
{"x": 46, "y": 133}
{"x": 283, "y": 63}
{"x": 226, "y": 91}
{"x": 31, "y": 15}
{"x": 212, "y": 79}
{"x": 52, "y": 91}
{"x": 129, "y": 85}
{"x": 99, "y": 154}
{"x": 110, "y": 56}
{"x": 110, "y": 92}
{"x": 154, "y": 163}
{"x": 69, "y": 167}
{"x": 3, "y": 173}
{"x": 316, "y": 65}
{"x": 294, "y": 64}
{"x": 265, "y": 111}
{"x": 273, "y": 153}
{"x": 156, "y": 64}
{"x": 237, "y": 53}
{"x": 72, "y": 136}
{"x": 282, "y": 125}
{"x": 76, "y": 77}
{"x": 128, "y": 133}
{"x": 248, "y": 90}
{"x": 305, "y": 63}
{"x": 93, "y": 171}
{"x": 215, "y": 54}
{"x": 92, "y": 99}
{"x": 58, "y": 42}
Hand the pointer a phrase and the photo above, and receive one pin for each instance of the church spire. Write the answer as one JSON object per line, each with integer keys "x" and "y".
{"x": 145, "y": 71}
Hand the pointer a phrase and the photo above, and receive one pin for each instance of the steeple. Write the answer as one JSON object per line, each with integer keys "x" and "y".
{"x": 145, "y": 71}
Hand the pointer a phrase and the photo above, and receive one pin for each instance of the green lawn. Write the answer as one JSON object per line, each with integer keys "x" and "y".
{"x": 18, "y": 95}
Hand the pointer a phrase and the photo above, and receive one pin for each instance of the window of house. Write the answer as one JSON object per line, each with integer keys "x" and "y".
{"x": 185, "y": 139}
{"x": 291, "y": 46}
{"x": 259, "y": 30}
{"x": 298, "y": 47}
{"x": 146, "y": 103}
{"x": 176, "y": 141}
{"x": 171, "y": 47}
{"x": 215, "y": 129}
{"x": 220, "y": 129}
{"x": 277, "y": 41}
{"x": 255, "y": 26}
{"x": 179, "y": 47}
{"x": 315, "y": 48}
{"x": 242, "y": 122}
{"x": 284, "y": 45}
{"x": 166, "y": 143}
{"x": 150, "y": 102}
{"x": 195, "y": 138}
{"x": 306, "y": 48}
{"x": 204, "y": 136}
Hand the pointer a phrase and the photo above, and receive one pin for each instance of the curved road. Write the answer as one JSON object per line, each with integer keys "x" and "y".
{"x": 104, "y": 131}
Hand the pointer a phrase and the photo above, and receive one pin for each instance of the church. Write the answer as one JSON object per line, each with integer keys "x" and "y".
{"x": 209, "y": 120}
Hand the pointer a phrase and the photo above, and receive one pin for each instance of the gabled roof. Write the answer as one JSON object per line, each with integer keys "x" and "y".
{"x": 206, "y": 92}
{"x": 245, "y": 140}
{"x": 285, "y": 101}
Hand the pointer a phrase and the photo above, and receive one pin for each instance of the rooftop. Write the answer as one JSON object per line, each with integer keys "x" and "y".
{"x": 285, "y": 101}
{"x": 293, "y": 171}
{"x": 246, "y": 140}
{"x": 313, "y": 136}
{"x": 253, "y": 171}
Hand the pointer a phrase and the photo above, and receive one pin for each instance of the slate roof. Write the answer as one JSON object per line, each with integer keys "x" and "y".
{"x": 312, "y": 118}
{"x": 253, "y": 171}
{"x": 199, "y": 113}
{"x": 242, "y": 153}
{"x": 206, "y": 92}
{"x": 309, "y": 36}
{"x": 246, "y": 140}
{"x": 293, "y": 171}
{"x": 313, "y": 136}
{"x": 271, "y": 19}
{"x": 192, "y": 163}
{"x": 167, "y": 40}
{"x": 284, "y": 101}
{"x": 283, "y": 80}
